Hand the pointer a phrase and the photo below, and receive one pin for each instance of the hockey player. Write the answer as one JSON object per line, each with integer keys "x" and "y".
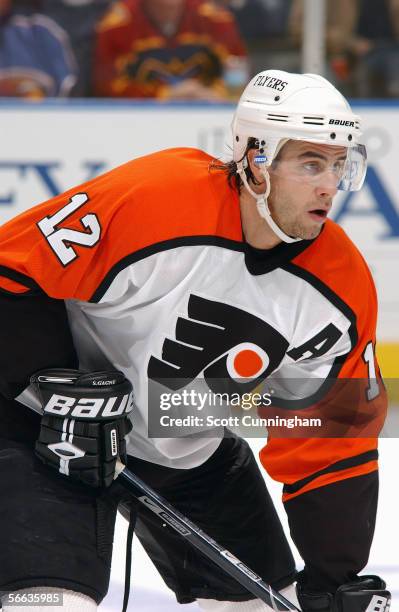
{"x": 175, "y": 266}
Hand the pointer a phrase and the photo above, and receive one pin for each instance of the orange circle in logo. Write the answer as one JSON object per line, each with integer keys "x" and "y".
{"x": 247, "y": 363}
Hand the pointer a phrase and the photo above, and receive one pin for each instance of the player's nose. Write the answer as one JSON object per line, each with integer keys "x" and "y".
{"x": 328, "y": 185}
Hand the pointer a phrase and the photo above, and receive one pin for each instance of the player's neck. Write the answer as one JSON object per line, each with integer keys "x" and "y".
{"x": 256, "y": 231}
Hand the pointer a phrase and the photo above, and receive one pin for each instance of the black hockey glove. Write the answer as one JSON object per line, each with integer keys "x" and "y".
{"x": 84, "y": 423}
{"x": 366, "y": 594}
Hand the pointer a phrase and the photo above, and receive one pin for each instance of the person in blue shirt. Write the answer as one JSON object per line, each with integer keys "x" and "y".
{"x": 36, "y": 59}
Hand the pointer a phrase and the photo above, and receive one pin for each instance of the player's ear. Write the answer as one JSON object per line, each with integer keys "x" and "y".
{"x": 254, "y": 166}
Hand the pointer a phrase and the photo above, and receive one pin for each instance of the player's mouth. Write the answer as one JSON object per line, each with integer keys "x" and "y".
{"x": 318, "y": 214}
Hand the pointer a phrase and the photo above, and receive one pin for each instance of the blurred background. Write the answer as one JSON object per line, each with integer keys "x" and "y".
{"x": 193, "y": 49}
{"x": 88, "y": 84}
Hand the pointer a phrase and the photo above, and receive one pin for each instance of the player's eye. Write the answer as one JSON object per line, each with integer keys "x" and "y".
{"x": 312, "y": 168}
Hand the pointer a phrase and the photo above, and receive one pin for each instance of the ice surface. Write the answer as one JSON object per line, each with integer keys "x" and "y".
{"x": 149, "y": 594}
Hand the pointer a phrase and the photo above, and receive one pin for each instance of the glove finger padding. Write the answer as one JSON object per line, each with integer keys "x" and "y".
{"x": 84, "y": 423}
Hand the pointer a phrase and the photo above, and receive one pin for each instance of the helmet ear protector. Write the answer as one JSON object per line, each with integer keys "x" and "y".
{"x": 260, "y": 160}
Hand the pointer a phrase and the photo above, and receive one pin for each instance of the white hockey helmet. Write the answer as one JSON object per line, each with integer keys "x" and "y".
{"x": 278, "y": 106}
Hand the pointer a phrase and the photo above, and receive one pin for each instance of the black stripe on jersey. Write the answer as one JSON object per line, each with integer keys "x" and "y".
{"x": 329, "y": 294}
{"x": 165, "y": 245}
{"x": 343, "y": 464}
{"x": 336, "y": 367}
{"x": 262, "y": 261}
{"x": 18, "y": 277}
{"x": 257, "y": 261}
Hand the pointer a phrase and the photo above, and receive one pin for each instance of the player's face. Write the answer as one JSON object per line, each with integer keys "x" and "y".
{"x": 304, "y": 181}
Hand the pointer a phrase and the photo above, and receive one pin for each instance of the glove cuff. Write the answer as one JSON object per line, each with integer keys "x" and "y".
{"x": 90, "y": 396}
{"x": 366, "y": 594}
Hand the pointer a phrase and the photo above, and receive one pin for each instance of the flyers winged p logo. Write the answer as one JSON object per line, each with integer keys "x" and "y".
{"x": 221, "y": 341}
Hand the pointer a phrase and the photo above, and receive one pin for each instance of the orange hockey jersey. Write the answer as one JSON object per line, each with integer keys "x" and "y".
{"x": 150, "y": 256}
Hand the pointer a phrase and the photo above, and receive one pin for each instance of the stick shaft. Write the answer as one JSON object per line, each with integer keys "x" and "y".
{"x": 200, "y": 540}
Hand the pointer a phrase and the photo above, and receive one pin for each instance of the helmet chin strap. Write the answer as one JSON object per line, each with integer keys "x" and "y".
{"x": 262, "y": 205}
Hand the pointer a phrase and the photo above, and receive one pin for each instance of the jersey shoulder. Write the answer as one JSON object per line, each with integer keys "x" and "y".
{"x": 175, "y": 193}
{"x": 70, "y": 243}
{"x": 188, "y": 193}
{"x": 335, "y": 261}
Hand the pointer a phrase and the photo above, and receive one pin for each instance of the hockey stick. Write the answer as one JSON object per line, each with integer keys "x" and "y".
{"x": 199, "y": 539}
{"x": 190, "y": 531}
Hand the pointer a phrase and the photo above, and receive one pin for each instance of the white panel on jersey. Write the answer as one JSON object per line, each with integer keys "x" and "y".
{"x": 136, "y": 321}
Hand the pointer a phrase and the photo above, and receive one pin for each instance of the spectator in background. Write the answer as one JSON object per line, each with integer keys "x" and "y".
{"x": 362, "y": 39}
{"x": 79, "y": 18}
{"x": 263, "y": 25}
{"x": 375, "y": 47}
{"x": 339, "y": 31}
{"x": 36, "y": 60}
{"x": 257, "y": 18}
{"x": 169, "y": 49}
